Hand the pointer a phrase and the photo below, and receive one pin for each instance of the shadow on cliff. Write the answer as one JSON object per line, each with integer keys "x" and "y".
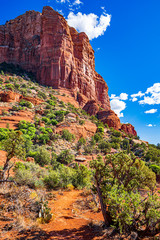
{"x": 82, "y": 233}
{"x": 15, "y": 69}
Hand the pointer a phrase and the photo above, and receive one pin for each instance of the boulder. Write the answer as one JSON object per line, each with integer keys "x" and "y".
{"x": 91, "y": 107}
{"x": 111, "y": 118}
{"x": 129, "y": 129}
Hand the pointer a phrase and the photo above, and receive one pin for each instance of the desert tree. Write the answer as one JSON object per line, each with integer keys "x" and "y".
{"x": 14, "y": 146}
{"x": 119, "y": 181}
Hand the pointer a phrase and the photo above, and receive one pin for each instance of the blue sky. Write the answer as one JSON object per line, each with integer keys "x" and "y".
{"x": 125, "y": 35}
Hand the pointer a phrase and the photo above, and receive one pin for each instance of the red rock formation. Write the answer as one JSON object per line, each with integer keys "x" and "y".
{"x": 110, "y": 118}
{"x": 86, "y": 130}
{"x": 35, "y": 101}
{"x": 60, "y": 56}
{"x": 10, "y": 96}
{"x": 82, "y": 99}
{"x": 129, "y": 129}
{"x": 91, "y": 107}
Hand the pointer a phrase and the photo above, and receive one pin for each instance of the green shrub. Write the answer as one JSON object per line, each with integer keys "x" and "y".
{"x": 24, "y": 103}
{"x": 104, "y": 146}
{"x": 115, "y": 133}
{"x": 81, "y": 122}
{"x": 125, "y": 144}
{"x": 4, "y": 133}
{"x": 52, "y": 180}
{"x": 155, "y": 168}
{"x": 115, "y": 139}
{"x": 53, "y": 122}
{"x": 29, "y": 174}
{"x": 42, "y": 157}
{"x": 98, "y": 137}
{"x": 42, "y": 95}
{"x": 82, "y": 177}
{"x": 45, "y": 119}
{"x": 65, "y": 157}
{"x": 67, "y": 135}
{"x": 9, "y": 86}
{"x": 51, "y": 102}
{"x": 82, "y": 141}
{"x": 100, "y": 129}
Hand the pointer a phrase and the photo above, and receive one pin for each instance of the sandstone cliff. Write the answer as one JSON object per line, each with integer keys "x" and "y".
{"x": 57, "y": 54}
{"x": 60, "y": 57}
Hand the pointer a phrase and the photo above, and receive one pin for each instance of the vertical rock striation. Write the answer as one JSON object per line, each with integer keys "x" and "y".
{"x": 57, "y": 54}
{"x": 60, "y": 57}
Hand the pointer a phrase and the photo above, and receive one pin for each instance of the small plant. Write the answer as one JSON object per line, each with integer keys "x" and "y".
{"x": 81, "y": 122}
{"x": 65, "y": 157}
{"x": 24, "y": 103}
{"x": 9, "y": 86}
{"x": 67, "y": 135}
{"x": 45, "y": 212}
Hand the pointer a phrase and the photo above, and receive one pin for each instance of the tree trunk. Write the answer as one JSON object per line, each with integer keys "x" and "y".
{"x": 106, "y": 216}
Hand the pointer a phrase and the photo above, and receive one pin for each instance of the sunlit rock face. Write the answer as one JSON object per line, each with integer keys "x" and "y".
{"x": 129, "y": 129}
{"x": 57, "y": 54}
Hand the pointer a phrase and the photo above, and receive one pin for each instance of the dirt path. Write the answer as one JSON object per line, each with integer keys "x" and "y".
{"x": 67, "y": 224}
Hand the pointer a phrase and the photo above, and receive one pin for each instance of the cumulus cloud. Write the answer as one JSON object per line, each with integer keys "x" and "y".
{"x": 154, "y": 89}
{"x": 151, "y": 111}
{"x": 118, "y": 106}
{"x": 149, "y": 125}
{"x": 134, "y": 99}
{"x": 150, "y": 97}
{"x": 122, "y": 96}
{"x": 77, "y": 2}
{"x": 139, "y": 94}
{"x": 62, "y": 1}
{"x": 154, "y": 95}
{"x": 91, "y": 24}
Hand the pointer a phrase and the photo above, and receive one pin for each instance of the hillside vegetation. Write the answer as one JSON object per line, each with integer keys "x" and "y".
{"x": 49, "y": 145}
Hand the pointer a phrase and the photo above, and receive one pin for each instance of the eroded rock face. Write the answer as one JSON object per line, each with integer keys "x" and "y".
{"x": 58, "y": 55}
{"x": 10, "y": 96}
{"x": 129, "y": 129}
{"x": 109, "y": 117}
{"x": 91, "y": 107}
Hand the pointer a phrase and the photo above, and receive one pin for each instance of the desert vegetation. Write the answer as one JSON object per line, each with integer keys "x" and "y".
{"x": 56, "y": 152}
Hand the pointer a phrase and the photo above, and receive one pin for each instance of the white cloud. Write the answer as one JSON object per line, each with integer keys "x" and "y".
{"x": 147, "y": 100}
{"x": 154, "y": 89}
{"x": 149, "y": 125}
{"x": 139, "y": 94}
{"x": 91, "y": 24}
{"x": 118, "y": 106}
{"x": 154, "y": 92}
{"x": 122, "y": 96}
{"x": 77, "y": 2}
{"x": 151, "y": 111}
{"x": 150, "y": 97}
{"x": 134, "y": 99}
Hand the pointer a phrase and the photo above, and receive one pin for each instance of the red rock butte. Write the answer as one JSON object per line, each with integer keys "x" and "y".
{"x": 59, "y": 56}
